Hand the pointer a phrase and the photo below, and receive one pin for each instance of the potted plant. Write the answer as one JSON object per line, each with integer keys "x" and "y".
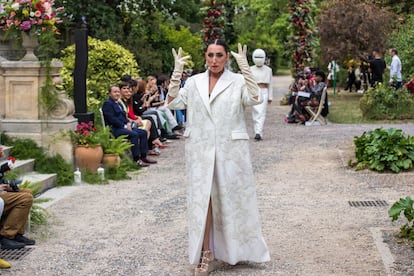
{"x": 113, "y": 148}
{"x": 30, "y": 20}
{"x": 88, "y": 149}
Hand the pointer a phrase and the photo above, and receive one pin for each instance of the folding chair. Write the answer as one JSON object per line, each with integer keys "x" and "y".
{"x": 315, "y": 112}
{"x": 102, "y": 117}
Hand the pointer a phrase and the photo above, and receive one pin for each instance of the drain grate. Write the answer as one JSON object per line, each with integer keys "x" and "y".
{"x": 368, "y": 203}
{"x": 15, "y": 254}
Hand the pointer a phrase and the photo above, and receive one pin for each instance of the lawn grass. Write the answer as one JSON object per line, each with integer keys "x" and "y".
{"x": 283, "y": 71}
{"x": 344, "y": 109}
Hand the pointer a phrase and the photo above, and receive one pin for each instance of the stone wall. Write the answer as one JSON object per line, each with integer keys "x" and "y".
{"x": 22, "y": 116}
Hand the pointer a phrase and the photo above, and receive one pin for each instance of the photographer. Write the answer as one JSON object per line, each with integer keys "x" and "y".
{"x": 16, "y": 212}
{"x": 17, "y": 204}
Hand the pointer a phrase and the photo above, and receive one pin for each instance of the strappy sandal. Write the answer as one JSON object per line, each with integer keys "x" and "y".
{"x": 206, "y": 264}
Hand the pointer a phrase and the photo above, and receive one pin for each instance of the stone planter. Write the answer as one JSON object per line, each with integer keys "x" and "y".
{"x": 88, "y": 158}
{"x": 29, "y": 43}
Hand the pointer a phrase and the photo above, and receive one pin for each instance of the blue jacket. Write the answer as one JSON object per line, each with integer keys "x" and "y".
{"x": 114, "y": 114}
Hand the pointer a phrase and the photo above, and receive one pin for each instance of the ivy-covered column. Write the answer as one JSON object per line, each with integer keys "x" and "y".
{"x": 302, "y": 34}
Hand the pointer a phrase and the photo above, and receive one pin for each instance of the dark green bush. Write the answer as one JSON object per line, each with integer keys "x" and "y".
{"x": 28, "y": 149}
{"x": 384, "y": 150}
{"x": 107, "y": 63}
{"x": 385, "y": 103}
{"x": 404, "y": 206}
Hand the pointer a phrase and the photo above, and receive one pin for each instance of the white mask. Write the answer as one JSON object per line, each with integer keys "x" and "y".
{"x": 259, "y": 57}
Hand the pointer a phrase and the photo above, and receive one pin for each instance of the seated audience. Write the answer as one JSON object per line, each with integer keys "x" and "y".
{"x": 154, "y": 102}
{"x": 140, "y": 106}
{"x": 307, "y": 95}
{"x": 116, "y": 117}
{"x": 154, "y": 142}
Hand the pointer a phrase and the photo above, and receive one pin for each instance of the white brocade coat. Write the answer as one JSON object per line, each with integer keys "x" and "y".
{"x": 218, "y": 165}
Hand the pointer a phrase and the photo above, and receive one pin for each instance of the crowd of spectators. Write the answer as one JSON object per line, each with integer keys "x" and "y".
{"x": 135, "y": 107}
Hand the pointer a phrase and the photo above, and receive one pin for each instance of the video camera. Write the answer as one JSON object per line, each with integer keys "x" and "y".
{"x": 13, "y": 184}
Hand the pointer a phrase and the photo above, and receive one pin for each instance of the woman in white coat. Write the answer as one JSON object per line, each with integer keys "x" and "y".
{"x": 222, "y": 209}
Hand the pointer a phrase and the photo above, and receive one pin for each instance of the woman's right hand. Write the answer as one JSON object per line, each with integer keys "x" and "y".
{"x": 179, "y": 60}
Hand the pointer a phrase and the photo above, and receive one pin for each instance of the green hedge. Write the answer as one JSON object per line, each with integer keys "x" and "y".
{"x": 384, "y": 102}
{"x": 107, "y": 63}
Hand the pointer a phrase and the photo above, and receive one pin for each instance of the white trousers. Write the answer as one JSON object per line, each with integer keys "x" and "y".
{"x": 170, "y": 121}
{"x": 259, "y": 112}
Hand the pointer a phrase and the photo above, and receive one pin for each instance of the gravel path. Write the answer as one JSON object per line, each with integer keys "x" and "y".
{"x": 138, "y": 227}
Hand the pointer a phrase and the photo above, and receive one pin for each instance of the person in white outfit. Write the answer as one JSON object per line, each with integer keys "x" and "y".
{"x": 223, "y": 217}
{"x": 263, "y": 76}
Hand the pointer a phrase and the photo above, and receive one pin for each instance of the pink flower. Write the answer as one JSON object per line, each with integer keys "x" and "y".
{"x": 25, "y": 25}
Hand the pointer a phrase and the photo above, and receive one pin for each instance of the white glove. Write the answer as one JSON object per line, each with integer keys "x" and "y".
{"x": 175, "y": 80}
{"x": 241, "y": 60}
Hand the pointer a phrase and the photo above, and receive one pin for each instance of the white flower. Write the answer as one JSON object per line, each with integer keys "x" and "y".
{"x": 15, "y": 6}
{"x": 32, "y": 14}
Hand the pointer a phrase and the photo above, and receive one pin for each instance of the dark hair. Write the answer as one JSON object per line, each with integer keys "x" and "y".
{"x": 394, "y": 51}
{"x": 219, "y": 42}
{"x": 133, "y": 83}
{"x": 321, "y": 74}
{"x": 110, "y": 87}
{"x": 126, "y": 78}
{"x": 161, "y": 79}
{"x": 123, "y": 84}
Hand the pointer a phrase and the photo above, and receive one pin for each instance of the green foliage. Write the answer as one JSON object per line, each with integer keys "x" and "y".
{"x": 404, "y": 205}
{"x": 149, "y": 45}
{"x": 263, "y": 24}
{"x": 104, "y": 19}
{"x": 402, "y": 41}
{"x": 384, "y": 102}
{"x": 107, "y": 63}
{"x": 190, "y": 43}
{"x": 38, "y": 214}
{"x": 28, "y": 149}
{"x": 121, "y": 173}
{"x": 112, "y": 145}
{"x": 48, "y": 95}
{"x": 384, "y": 150}
{"x": 397, "y": 6}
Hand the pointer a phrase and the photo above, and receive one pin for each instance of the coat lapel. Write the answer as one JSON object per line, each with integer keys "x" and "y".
{"x": 202, "y": 87}
{"x": 221, "y": 85}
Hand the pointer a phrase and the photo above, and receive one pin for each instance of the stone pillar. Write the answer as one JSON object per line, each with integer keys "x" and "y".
{"x": 21, "y": 114}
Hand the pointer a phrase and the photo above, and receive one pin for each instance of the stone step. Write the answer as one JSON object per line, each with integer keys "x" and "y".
{"x": 47, "y": 180}
{"x": 26, "y": 168}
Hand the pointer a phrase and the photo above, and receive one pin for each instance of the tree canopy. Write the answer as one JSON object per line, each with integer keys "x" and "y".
{"x": 351, "y": 28}
{"x": 149, "y": 29}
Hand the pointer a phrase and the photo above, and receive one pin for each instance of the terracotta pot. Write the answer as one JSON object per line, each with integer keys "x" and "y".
{"x": 29, "y": 43}
{"x": 111, "y": 160}
{"x": 88, "y": 158}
